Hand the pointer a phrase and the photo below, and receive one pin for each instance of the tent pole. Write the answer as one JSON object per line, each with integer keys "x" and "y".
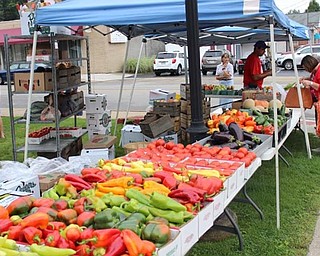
{"x": 306, "y": 136}
{"x": 275, "y": 117}
{"x": 197, "y": 128}
{"x": 34, "y": 48}
{"x": 134, "y": 79}
{"x": 121, "y": 87}
{"x": 134, "y": 83}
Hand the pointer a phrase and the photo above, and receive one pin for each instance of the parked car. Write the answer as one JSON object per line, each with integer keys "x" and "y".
{"x": 21, "y": 67}
{"x": 265, "y": 62}
{"x": 172, "y": 62}
{"x": 212, "y": 58}
{"x": 285, "y": 59}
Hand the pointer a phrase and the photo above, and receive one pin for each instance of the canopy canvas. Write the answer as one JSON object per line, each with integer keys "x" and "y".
{"x": 139, "y": 17}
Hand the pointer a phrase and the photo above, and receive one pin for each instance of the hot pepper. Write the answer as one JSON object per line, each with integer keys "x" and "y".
{"x": 5, "y": 224}
{"x": 68, "y": 216}
{"x": 97, "y": 204}
{"x": 167, "y": 179}
{"x": 199, "y": 191}
{"x": 104, "y": 237}
{"x": 166, "y": 203}
{"x": 185, "y": 196}
{"x": 43, "y": 250}
{"x": 123, "y": 182}
{"x": 83, "y": 250}
{"x": 171, "y": 216}
{"x": 8, "y": 243}
{"x": 154, "y": 186}
{"x": 114, "y": 190}
{"x": 135, "y": 206}
{"x": 132, "y": 242}
{"x": 94, "y": 178}
{"x": 86, "y": 234}
{"x": 137, "y": 177}
{"x": 137, "y": 195}
{"x": 32, "y": 235}
{"x": 116, "y": 200}
{"x": 52, "y": 239}
{"x": 62, "y": 187}
{"x": 117, "y": 247}
{"x": 37, "y": 220}
{"x": 212, "y": 185}
{"x": 48, "y": 202}
{"x": 4, "y": 214}
{"x": 20, "y": 206}
{"x": 86, "y": 219}
{"x": 81, "y": 205}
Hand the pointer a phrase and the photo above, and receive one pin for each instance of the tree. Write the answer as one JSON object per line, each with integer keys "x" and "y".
{"x": 294, "y": 11}
{"x": 8, "y": 10}
{"x": 313, "y": 6}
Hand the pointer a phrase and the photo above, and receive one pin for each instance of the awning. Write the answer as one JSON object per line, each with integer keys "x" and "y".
{"x": 10, "y": 32}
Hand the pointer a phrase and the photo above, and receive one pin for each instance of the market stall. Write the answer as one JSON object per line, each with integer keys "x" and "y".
{"x": 172, "y": 20}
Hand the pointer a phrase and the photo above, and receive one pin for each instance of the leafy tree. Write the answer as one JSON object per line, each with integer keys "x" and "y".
{"x": 294, "y": 11}
{"x": 8, "y": 10}
{"x": 313, "y": 6}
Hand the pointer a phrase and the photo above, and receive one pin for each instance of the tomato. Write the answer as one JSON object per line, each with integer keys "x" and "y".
{"x": 240, "y": 155}
{"x": 247, "y": 161}
{"x": 180, "y": 145}
{"x": 243, "y": 150}
{"x": 160, "y": 142}
{"x": 170, "y": 145}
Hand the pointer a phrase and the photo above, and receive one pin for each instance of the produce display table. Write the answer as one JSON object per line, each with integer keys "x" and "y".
{"x": 291, "y": 124}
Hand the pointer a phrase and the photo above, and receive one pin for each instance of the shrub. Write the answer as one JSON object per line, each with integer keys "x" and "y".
{"x": 146, "y": 65}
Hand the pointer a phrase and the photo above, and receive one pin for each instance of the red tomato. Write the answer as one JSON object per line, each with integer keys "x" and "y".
{"x": 243, "y": 150}
{"x": 160, "y": 142}
{"x": 170, "y": 145}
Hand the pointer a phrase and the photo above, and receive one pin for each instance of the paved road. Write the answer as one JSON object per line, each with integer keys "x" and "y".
{"x": 110, "y": 85}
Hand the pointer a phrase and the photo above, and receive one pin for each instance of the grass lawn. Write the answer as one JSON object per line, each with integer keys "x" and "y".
{"x": 299, "y": 197}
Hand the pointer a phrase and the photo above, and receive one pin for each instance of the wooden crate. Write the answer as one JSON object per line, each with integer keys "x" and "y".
{"x": 185, "y": 137}
{"x": 185, "y": 92}
{"x": 186, "y": 120}
{"x": 156, "y": 125}
{"x": 170, "y": 108}
{"x": 186, "y": 107}
{"x": 176, "y": 123}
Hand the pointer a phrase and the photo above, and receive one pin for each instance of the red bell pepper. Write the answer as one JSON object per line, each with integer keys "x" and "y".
{"x": 5, "y": 224}
{"x": 117, "y": 247}
{"x": 86, "y": 234}
{"x": 47, "y": 202}
{"x": 52, "y": 239}
{"x": 60, "y": 205}
{"x": 52, "y": 213}
{"x": 56, "y": 225}
{"x": 148, "y": 248}
{"x": 68, "y": 216}
{"x": 15, "y": 233}
{"x": 212, "y": 185}
{"x": 73, "y": 234}
{"x": 32, "y": 235}
{"x": 86, "y": 219}
{"x": 62, "y": 243}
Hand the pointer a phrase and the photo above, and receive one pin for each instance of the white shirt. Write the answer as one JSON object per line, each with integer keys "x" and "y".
{"x": 228, "y": 68}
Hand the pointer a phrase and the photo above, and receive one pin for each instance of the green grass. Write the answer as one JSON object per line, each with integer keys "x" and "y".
{"x": 146, "y": 65}
{"x": 299, "y": 197}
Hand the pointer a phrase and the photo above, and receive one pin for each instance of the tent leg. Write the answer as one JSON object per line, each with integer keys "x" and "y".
{"x": 283, "y": 159}
{"x": 121, "y": 88}
{"x": 287, "y": 150}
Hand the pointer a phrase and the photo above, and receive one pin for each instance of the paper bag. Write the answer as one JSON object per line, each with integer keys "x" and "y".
{"x": 292, "y": 100}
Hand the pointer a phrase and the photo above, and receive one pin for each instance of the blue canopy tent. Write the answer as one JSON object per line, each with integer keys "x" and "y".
{"x": 139, "y": 17}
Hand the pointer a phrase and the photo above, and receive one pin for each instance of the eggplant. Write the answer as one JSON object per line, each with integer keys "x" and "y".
{"x": 236, "y": 131}
{"x": 222, "y": 137}
{"x": 223, "y": 127}
{"x": 252, "y": 137}
{"x": 250, "y": 143}
{"x": 231, "y": 145}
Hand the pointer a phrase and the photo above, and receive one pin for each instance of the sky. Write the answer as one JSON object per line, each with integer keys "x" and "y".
{"x": 287, "y": 5}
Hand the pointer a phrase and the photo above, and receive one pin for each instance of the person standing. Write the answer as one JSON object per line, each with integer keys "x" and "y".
{"x": 224, "y": 74}
{"x": 312, "y": 65}
{"x": 253, "y": 72}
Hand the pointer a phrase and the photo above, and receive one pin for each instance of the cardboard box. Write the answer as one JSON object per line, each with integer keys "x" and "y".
{"x": 66, "y": 132}
{"x": 47, "y": 181}
{"x": 42, "y": 82}
{"x": 99, "y": 119}
{"x": 173, "y": 247}
{"x": 218, "y": 204}
{"x": 99, "y": 153}
{"x": 96, "y": 103}
{"x": 159, "y": 94}
{"x": 205, "y": 218}
{"x": 100, "y": 141}
{"x": 189, "y": 234}
{"x": 131, "y": 133}
{"x": 28, "y": 185}
{"x": 166, "y": 136}
{"x": 231, "y": 185}
{"x": 7, "y": 196}
{"x": 93, "y": 131}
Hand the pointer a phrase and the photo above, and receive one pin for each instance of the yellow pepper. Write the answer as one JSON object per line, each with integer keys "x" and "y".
{"x": 155, "y": 186}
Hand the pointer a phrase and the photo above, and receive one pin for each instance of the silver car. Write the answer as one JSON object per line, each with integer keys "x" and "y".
{"x": 211, "y": 59}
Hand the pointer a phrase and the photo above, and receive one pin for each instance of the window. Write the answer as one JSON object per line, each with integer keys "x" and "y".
{"x": 166, "y": 55}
